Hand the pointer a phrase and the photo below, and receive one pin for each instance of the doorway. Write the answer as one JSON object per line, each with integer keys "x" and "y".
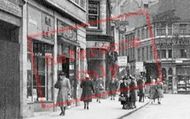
{"x": 9, "y": 73}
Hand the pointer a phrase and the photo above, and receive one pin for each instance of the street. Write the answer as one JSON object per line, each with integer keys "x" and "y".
{"x": 172, "y": 107}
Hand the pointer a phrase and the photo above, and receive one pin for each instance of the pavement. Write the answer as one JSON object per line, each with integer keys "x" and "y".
{"x": 107, "y": 109}
{"x": 172, "y": 107}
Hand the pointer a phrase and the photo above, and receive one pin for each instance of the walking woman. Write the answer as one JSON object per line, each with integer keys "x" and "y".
{"x": 99, "y": 88}
{"x": 63, "y": 84}
{"x": 113, "y": 88}
{"x": 159, "y": 90}
{"x": 152, "y": 91}
{"x": 87, "y": 91}
{"x": 124, "y": 95}
{"x": 133, "y": 92}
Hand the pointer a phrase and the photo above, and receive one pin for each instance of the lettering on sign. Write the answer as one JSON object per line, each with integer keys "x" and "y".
{"x": 70, "y": 34}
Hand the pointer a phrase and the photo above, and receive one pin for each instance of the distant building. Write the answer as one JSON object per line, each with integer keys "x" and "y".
{"x": 170, "y": 24}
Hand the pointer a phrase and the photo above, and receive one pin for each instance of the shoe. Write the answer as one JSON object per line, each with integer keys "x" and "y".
{"x": 61, "y": 113}
{"x": 159, "y": 102}
{"x": 87, "y": 108}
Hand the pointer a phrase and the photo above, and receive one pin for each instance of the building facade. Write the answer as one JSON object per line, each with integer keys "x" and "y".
{"x": 98, "y": 38}
{"x": 11, "y": 58}
{"x": 38, "y": 40}
{"x": 170, "y": 26}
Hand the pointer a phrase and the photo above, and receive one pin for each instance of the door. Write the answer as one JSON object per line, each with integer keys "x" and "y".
{"x": 9, "y": 79}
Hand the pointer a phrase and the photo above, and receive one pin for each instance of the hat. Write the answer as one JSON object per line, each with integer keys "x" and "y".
{"x": 87, "y": 76}
{"x": 62, "y": 73}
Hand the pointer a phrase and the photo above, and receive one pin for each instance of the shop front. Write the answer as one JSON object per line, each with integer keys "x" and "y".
{"x": 40, "y": 59}
{"x": 68, "y": 56}
{"x": 183, "y": 79}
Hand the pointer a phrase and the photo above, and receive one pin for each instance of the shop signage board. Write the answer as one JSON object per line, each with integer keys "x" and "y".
{"x": 66, "y": 31}
{"x": 98, "y": 44}
{"x": 140, "y": 67}
{"x": 122, "y": 60}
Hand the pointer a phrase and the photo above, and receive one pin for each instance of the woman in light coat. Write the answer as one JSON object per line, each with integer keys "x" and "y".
{"x": 64, "y": 86}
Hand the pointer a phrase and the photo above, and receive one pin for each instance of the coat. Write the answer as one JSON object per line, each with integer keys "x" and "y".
{"x": 133, "y": 91}
{"x": 113, "y": 86}
{"x": 140, "y": 84}
{"x": 124, "y": 88}
{"x": 87, "y": 90}
{"x": 64, "y": 89}
{"x": 99, "y": 87}
{"x": 156, "y": 91}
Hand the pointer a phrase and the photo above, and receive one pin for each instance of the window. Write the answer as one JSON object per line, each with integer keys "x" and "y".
{"x": 81, "y": 3}
{"x": 142, "y": 54}
{"x": 139, "y": 54}
{"x": 163, "y": 53}
{"x": 42, "y": 82}
{"x": 161, "y": 29}
{"x": 169, "y": 53}
{"x": 182, "y": 28}
{"x": 94, "y": 14}
{"x": 183, "y": 53}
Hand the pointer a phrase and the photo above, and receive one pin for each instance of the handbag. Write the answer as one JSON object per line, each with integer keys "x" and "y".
{"x": 122, "y": 98}
{"x": 57, "y": 85}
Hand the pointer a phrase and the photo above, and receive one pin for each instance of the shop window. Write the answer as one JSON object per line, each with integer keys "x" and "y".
{"x": 42, "y": 72}
{"x": 169, "y": 53}
{"x": 183, "y": 53}
{"x": 94, "y": 14}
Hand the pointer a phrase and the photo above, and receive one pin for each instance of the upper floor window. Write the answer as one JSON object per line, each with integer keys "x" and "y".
{"x": 163, "y": 53}
{"x": 183, "y": 53}
{"x": 161, "y": 29}
{"x": 169, "y": 53}
{"x": 81, "y": 3}
{"x": 183, "y": 29}
{"x": 94, "y": 14}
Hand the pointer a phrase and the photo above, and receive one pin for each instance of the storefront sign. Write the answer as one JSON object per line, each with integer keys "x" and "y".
{"x": 140, "y": 67}
{"x": 40, "y": 23}
{"x": 10, "y": 7}
{"x": 66, "y": 31}
{"x": 122, "y": 60}
{"x": 98, "y": 44}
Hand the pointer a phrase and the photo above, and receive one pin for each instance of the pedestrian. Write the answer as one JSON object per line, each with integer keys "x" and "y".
{"x": 140, "y": 84}
{"x": 64, "y": 86}
{"x": 113, "y": 86}
{"x": 87, "y": 91}
{"x": 152, "y": 91}
{"x": 133, "y": 92}
{"x": 99, "y": 88}
{"x": 159, "y": 90}
{"x": 124, "y": 95}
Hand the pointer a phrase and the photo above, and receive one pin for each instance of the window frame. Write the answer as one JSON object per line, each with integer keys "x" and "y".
{"x": 97, "y": 15}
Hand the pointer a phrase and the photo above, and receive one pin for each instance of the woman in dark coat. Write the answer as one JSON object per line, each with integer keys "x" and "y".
{"x": 113, "y": 88}
{"x": 99, "y": 88}
{"x": 140, "y": 84}
{"x": 63, "y": 84}
{"x": 133, "y": 92}
{"x": 87, "y": 91}
{"x": 124, "y": 89}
